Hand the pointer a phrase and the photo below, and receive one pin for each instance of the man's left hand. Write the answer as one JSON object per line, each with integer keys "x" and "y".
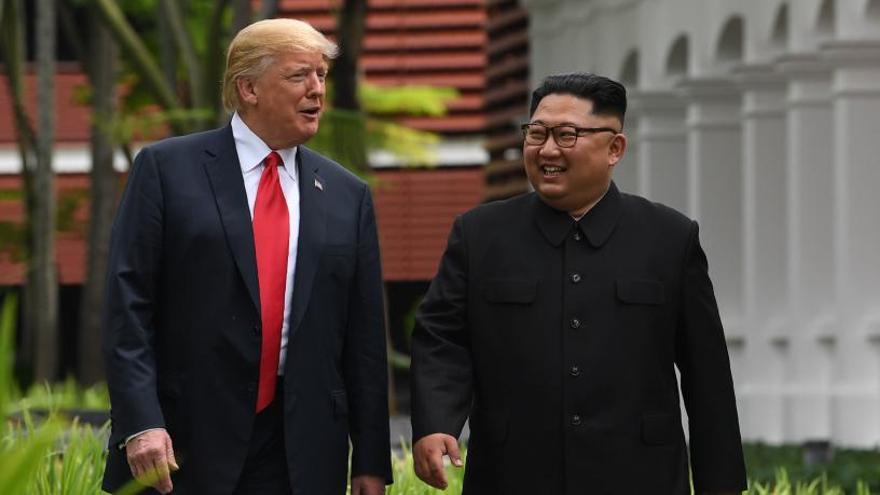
{"x": 366, "y": 484}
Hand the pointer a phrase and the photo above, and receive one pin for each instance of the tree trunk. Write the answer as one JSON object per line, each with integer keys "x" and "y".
{"x": 268, "y": 9}
{"x": 141, "y": 59}
{"x": 214, "y": 59}
{"x": 174, "y": 15}
{"x": 167, "y": 47}
{"x": 42, "y": 275}
{"x": 103, "y": 58}
{"x": 242, "y": 13}
{"x": 350, "y": 33}
{"x": 12, "y": 39}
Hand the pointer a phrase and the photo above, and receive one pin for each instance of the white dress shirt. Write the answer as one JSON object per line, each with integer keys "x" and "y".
{"x": 251, "y": 152}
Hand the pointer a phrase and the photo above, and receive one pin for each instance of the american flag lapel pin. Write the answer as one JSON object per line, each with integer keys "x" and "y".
{"x": 318, "y": 185}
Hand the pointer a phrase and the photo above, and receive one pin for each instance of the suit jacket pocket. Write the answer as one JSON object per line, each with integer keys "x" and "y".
{"x": 641, "y": 291}
{"x": 659, "y": 428}
{"x": 339, "y": 403}
{"x": 510, "y": 291}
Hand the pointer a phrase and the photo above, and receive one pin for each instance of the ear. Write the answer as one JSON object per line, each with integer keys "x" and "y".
{"x": 616, "y": 149}
{"x": 247, "y": 92}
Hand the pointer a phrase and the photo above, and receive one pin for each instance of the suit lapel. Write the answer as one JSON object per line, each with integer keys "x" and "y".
{"x": 224, "y": 172}
{"x": 312, "y": 229}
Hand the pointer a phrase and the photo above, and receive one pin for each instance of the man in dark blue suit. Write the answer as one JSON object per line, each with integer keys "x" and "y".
{"x": 244, "y": 334}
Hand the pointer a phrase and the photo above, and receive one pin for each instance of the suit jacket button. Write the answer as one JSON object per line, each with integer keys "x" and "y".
{"x": 574, "y": 371}
{"x": 575, "y": 323}
{"x": 575, "y": 277}
{"x": 576, "y": 420}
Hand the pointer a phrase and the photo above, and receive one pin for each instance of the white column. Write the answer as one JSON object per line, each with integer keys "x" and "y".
{"x": 855, "y": 88}
{"x": 662, "y": 159}
{"x": 810, "y": 247}
{"x": 714, "y": 168}
{"x": 765, "y": 304}
{"x": 626, "y": 172}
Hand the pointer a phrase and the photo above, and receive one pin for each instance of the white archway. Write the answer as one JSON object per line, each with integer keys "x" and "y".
{"x": 825, "y": 18}
{"x": 779, "y": 32}
{"x": 731, "y": 42}
{"x": 629, "y": 70}
{"x": 678, "y": 57}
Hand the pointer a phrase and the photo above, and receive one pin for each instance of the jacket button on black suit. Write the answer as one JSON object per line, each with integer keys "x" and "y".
{"x": 574, "y": 371}
{"x": 576, "y": 420}
{"x": 575, "y": 323}
{"x": 575, "y": 277}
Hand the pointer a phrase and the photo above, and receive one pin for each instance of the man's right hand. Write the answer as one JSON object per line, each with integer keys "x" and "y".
{"x": 151, "y": 459}
{"x": 428, "y": 455}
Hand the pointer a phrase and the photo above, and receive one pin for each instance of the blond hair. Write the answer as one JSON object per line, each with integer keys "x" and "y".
{"x": 252, "y": 50}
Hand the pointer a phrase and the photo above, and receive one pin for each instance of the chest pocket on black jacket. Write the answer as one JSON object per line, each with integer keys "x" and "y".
{"x": 510, "y": 291}
{"x": 641, "y": 291}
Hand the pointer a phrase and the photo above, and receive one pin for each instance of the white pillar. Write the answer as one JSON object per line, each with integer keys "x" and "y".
{"x": 765, "y": 304}
{"x": 626, "y": 172}
{"x": 662, "y": 157}
{"x": 810, "y": 247}
{"x": 855, "y": 88}
{"x": 714, "y": 166}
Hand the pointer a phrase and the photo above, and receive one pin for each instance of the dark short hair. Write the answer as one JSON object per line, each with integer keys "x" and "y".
{"x": 608, "y": 96}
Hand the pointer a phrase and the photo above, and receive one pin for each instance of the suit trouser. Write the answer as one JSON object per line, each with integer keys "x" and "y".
{"x": 265, "y": 469}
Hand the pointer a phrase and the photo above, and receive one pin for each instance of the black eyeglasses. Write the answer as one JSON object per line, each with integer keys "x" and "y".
{"x": 565, "y": 136}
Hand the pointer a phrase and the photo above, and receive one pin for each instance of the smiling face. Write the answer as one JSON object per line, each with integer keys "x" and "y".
{"x": 572, "y": 179}
{"x": 284, "y": 104}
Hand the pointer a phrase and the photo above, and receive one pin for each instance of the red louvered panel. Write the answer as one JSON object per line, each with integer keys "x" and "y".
{"x": 415, "y": 209}
{"x": 72, "y": 118}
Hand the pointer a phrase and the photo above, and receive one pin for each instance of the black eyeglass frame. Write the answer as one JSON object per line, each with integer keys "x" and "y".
{"x": 579, "y": 131}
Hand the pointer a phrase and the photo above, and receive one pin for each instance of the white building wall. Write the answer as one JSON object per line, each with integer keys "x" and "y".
{"x": 771, "y": 142}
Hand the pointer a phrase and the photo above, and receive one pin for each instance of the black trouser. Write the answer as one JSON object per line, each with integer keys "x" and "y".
{"x": 265, "y": 469}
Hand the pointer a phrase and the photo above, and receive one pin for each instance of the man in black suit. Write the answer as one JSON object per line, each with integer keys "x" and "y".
{"x": 556, "y": 321}
{"x": 244, "y": 335}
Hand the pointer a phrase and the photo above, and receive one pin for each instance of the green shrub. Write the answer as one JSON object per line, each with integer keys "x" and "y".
{"x": 846, "y": 468}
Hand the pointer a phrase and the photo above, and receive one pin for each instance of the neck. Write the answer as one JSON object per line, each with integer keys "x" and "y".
{"x": 579, "y": 213}
{"x": 263, "y": 133}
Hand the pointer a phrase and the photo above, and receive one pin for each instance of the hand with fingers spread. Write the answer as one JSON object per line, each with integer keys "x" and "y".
{"x": 151, "y": 459}
{"x": 428, "y": 454}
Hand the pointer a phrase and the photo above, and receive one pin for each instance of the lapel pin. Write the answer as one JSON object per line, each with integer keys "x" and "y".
{"x": 318, "y": 185}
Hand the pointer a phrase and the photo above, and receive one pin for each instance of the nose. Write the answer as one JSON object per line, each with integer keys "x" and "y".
{"x": 549, "y": 148}
{"x": 315, "y": 85}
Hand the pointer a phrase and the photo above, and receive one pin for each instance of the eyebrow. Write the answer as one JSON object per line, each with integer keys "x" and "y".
{"x": 572, "y": 124}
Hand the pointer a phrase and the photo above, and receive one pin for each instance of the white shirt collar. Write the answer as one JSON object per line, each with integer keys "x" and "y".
{"x": 252, "y": 150}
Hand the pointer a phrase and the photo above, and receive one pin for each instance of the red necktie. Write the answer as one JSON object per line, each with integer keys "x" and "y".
{"x": 271, "y": 238}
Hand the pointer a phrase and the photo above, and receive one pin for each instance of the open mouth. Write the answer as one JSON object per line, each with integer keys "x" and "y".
{"x": 312, "y": 112}
{"x": 552, "y": 170}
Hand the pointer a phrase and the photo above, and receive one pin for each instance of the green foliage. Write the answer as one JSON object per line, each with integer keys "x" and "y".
{"x": 846, "y": 468}
{"x": 783, "y": 485}
{"x": 343, "y": 133}
{"x": 12, "y": 239}
{"x": 68, "y": 203}
{"x": 407, "y": 483}
{"x": 406, "y": 99}
{"x": 67, "y": 395}
{"x": 20, "y": 454}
